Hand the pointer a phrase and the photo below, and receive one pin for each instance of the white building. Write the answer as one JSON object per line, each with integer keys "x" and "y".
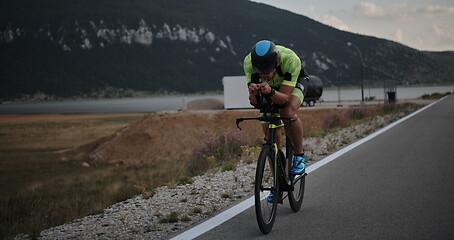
{"x": 235, "y": 92}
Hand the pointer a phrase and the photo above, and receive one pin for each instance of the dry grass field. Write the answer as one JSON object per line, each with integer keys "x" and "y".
{"x": 42, "y": 186}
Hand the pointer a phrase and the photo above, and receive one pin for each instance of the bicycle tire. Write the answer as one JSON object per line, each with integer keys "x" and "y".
{"x": 296, "y": 196}
{"x": 265, "y": 182}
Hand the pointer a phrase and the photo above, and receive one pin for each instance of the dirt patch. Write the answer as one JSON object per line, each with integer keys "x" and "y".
{"x": 166, "y": 135}
{"x": 205, "y": 104}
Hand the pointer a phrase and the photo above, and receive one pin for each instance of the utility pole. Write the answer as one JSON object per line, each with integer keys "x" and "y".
{"x": 349, "y": 44}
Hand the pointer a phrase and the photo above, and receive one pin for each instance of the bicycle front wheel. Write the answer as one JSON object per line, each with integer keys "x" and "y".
{"x": 265, "y": 183}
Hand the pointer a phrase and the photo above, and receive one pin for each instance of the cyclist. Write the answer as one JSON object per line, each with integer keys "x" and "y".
{"x": 274, "y": 71}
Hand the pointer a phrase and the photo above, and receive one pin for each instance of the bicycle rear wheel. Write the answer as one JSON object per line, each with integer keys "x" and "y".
{"x": 296, "y": 196}
{"x": 265, "y": 183}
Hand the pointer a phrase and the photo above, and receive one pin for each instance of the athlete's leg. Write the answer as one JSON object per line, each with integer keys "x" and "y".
{"x": 293, "y": 130}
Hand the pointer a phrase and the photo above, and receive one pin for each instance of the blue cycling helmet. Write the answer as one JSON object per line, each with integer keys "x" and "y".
{"x": 264, "y": 56}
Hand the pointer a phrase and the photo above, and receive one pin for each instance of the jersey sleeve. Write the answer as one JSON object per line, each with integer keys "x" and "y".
{"x": 248, "y": 69}
{"x": 292, "y": 66}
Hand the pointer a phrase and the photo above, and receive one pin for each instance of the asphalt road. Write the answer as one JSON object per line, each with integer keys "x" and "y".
{"x": 398, "y": 185}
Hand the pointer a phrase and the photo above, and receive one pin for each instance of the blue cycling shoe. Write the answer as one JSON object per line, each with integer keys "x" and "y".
{"x": 270, "y": 198}
{"x": 298, "y": 165}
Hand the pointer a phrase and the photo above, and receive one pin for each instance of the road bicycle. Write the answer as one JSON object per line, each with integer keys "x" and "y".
{"x": 273, "y": 170}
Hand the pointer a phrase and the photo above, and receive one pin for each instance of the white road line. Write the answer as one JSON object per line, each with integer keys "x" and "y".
{"x": 242, "y": 206}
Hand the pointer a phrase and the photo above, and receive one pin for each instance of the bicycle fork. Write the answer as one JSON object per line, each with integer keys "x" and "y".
{"x": 282, "y": 181}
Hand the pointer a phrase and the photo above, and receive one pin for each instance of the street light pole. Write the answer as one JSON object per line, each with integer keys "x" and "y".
{"x": 349, "y": 44}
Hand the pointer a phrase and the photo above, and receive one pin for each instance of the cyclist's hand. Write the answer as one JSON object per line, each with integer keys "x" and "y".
{"x": 253, "y": 89}
{"x": 264, "y": 88}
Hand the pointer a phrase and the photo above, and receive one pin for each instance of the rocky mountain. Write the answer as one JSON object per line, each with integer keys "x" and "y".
{"x": 67, "y": 48}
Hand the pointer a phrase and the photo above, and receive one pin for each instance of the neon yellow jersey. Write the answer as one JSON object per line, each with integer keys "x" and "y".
{"x": 290, "y": 63}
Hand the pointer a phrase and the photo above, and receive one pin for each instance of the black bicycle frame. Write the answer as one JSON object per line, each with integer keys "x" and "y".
{"x": 270, "y": 142}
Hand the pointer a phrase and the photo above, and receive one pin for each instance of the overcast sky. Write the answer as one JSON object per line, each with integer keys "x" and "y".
{"x": 420, "y": 24}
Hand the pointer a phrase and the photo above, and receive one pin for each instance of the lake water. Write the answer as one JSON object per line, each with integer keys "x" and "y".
{"x": 379, "y": 93}
{"x": 156, "y": 104}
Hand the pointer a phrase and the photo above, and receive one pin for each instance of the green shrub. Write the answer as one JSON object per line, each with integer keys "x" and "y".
{"x": 224, "y": 147}
{"x": 198, "y": 164}
{"x": 228, "y": 166}
{"x": 218, "y": 150}
{"x": 185, "y": 180}
{"x": 186, "y": 219}
{"x": 197, "y": 210}
{"x": 124, "y": 193}
{"x": 171, "y": 218}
